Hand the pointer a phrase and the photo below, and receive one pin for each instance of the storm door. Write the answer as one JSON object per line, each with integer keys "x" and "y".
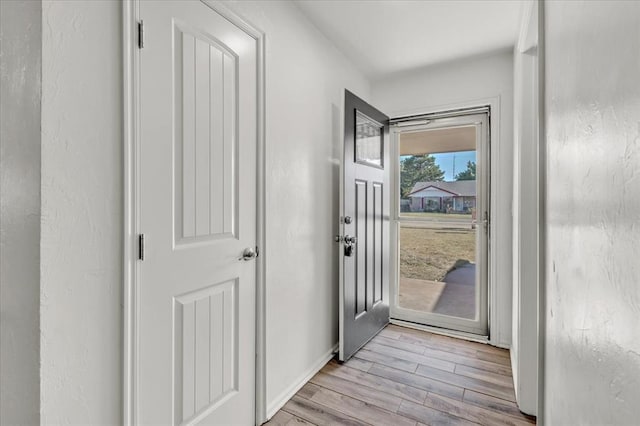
{"x": 441, "y": 225}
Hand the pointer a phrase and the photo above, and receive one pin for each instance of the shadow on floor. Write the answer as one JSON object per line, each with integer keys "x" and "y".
{"x": 453, "y": 296}
{"x": 458, "y": 297}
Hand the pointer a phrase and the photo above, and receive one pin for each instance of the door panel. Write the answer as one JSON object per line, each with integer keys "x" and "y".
{"x": 196, "y": 295}
{"x": 204, "y": 348}
{"x": 377, "y": 252}
{"x": 361, "y": 249}
{"x": 364, "y": 298}
{"x": 205, "y": 142}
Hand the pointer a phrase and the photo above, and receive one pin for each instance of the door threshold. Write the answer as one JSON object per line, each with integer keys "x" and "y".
{"x": 442, "y": 331}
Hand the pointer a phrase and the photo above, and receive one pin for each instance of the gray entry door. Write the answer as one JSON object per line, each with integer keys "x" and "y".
{"x": 364, "y": 251}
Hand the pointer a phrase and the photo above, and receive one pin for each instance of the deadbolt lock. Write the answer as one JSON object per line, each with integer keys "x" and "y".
{"x": 349, "y": 242}
{"x": 348, "y": 250}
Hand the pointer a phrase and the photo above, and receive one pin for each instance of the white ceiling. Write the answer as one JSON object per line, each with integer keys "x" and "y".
{"x": 387, "y": 36}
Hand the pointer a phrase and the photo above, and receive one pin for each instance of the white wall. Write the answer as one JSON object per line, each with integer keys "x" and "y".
{"x": 524, "y": 341}
{"x": 306, "y": 76}
{"x": 451, "y": 84}
{"x": 82, "y": 202}
{"x": 81, "y": 245}
{"x": 592, "y": 102}
{"x": 20, "y": 52}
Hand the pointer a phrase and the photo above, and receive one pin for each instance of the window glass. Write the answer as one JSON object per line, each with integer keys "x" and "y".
{"x": 368, "y": 141}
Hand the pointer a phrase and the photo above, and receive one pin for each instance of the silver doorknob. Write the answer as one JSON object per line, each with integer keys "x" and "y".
{"x": 249, "y": 253}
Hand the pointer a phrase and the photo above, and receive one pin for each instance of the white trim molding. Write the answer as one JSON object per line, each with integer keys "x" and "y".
{"x": 131, "y": 108}
{"x": 130, "y": 17}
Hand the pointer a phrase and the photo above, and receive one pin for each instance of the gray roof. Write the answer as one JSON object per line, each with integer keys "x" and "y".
{"x": 460, "y": 188}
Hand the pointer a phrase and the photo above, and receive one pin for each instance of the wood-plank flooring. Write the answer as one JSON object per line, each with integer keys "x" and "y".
{"x": 410, "y": 377}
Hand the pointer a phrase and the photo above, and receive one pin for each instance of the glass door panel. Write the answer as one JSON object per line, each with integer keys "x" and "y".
{"x": 438, "y": 268}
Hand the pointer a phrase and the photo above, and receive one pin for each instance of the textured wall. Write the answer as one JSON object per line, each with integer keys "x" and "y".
{"x": 592, "y": 359}
{"x": 81, "y": 246}
{"x": 306, "y": 76}
{"x": 20, "y": 55}
{"x": 463, "y": 81}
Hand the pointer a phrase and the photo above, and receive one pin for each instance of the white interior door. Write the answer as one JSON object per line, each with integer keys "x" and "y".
{"x": 197, "y": 211}
{"x": 364, "y": 251}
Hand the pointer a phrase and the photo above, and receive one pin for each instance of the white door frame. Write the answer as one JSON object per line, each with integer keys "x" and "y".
{"x": 495, "y": 327}
{"x": 131, "y": 157}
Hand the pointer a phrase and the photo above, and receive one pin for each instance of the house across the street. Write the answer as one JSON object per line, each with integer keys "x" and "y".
{"x": 445, "y": 197}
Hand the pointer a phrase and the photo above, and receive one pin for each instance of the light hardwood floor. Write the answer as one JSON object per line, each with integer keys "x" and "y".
{"x": 410, "y": 377}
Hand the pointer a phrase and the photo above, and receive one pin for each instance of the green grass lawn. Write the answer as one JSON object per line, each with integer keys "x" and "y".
{"x": 428, "y": 254}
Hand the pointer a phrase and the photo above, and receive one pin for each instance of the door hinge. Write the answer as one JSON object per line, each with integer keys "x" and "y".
{"x": 141, "y": 34}
{"x": 141, "y": 247}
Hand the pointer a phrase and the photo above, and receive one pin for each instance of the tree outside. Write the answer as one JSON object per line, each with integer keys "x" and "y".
{"x": 418, "y": 168}
{"x": 469, "y": 174}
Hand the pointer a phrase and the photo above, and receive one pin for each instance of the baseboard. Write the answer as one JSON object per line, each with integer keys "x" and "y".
{"x": 286, "y": 395}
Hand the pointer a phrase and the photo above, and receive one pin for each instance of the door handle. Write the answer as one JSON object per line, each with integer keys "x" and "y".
{"x": 248, "y": 254}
